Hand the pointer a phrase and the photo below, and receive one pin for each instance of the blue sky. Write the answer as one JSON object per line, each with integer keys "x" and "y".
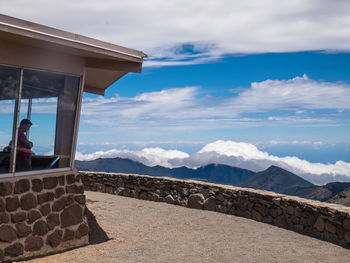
{"x": 254, "y": 80}
{"x": 227, "y": 78}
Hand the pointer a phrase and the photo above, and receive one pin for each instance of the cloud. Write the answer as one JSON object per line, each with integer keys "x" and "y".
{"x": 239, "y": 154}
{"x": 188, "y": 109}
{"x": 148, "y": 109}
{"x": 296, "y": 142}
{"x": 148, "y": 156}
{"x": 294, "y": 94}
{"x": 180, "y": 32}
{"x": 6, "y": 106}
{"x": 42, "y": 106}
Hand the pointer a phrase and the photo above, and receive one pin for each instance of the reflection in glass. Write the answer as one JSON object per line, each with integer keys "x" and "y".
{"x": 9, "y": 79}
{"x": 49, "y": 102}
{"x": 45, "y": 112}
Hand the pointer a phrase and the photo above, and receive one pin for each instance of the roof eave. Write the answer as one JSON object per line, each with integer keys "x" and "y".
{"x": 64, "y": 38}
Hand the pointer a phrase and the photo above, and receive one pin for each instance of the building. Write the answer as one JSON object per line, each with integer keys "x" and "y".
{"x": 43, "y": 74}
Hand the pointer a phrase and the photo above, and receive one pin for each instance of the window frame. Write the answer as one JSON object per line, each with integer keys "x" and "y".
{"x": 16, "y": 115}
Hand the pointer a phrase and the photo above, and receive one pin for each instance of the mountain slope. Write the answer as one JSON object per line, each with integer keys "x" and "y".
{"x": 120, "y": 165}
{"x": 275, "y": 179}
{"x": 216, "y": 173}
{"x": 338, "y": 195}
{"x": 343, "y": 198}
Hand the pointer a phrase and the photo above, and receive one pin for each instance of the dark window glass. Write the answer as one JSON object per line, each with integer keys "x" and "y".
{"x": 9, "y": 82}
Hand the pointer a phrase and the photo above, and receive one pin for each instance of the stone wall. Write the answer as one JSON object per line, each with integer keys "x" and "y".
{"x": 325, "y": 221}
{"x": 41, "y": 214}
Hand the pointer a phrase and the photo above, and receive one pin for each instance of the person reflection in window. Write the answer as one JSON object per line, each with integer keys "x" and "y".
{"x": 24, "y": 153}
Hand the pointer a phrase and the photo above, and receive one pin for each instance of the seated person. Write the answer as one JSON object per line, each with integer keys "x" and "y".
{"x": 24, "y": 153}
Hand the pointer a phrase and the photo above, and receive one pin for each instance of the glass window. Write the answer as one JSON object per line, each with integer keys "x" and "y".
{"x": 48, "y": 105}
{"x": 9, "y": 80}
{"x": 45, "y": 122}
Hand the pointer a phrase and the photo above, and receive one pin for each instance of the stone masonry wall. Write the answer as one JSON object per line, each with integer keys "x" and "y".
{"x": 41, "y": 214}
{"x": 325, "y": 221}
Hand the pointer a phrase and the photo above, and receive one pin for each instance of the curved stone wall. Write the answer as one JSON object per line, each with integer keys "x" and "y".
{"x": 325, "y": 221}
{"x": 41, "y": 214}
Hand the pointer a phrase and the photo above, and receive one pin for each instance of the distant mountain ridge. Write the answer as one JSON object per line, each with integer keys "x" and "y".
{"x": 343, "y": 198}
{"x": 273, "y": 178}
{"x": 215, "y": 173}
{"x": 326, "y": 192}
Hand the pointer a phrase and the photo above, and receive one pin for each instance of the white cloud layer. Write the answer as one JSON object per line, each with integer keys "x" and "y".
{"x": 208, "y": 28}
{"x": 296, "y": 93}
{"x": 188, "y": 109}
{"x": 296, "y": 142}
{"x": 231, "y": 153}
{"x": 148, "y": 156}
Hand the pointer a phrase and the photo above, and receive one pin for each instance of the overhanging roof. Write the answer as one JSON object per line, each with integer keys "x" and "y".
{"x": 104, "y": 62}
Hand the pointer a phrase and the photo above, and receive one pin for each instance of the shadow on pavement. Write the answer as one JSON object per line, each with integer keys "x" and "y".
{"x": 96, "y": 234}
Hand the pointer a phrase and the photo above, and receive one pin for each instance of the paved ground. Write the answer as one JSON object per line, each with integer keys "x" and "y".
{"x": 130, "y": 230}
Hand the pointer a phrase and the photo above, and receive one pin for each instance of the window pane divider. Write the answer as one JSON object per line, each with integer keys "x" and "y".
{"x": 29, "y": 112}
{"x": 77, "y": 120}
{"x": 15, "y": 126}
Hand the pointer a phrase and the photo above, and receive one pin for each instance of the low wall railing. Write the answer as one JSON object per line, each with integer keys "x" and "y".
{"x": 325, "y": 221}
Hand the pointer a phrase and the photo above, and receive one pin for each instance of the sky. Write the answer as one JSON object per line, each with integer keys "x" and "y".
{"x": 246, "y": 83}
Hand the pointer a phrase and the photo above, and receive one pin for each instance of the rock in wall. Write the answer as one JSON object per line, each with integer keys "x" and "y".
{"x": 325, "y": 221}
{"x": 40, "y": 214}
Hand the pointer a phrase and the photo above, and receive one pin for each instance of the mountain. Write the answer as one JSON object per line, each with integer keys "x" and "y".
{"x": 215, "y": 173}
{"x": 272, "y": 179}
{"x": 342, "y": 198}
{"x": 281, "y": 181}
{"x": 120, "y": 165}
{"x": 225, "y": 173}
{"x": 275, "y": 179}
{"x": 320, "y": 192}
